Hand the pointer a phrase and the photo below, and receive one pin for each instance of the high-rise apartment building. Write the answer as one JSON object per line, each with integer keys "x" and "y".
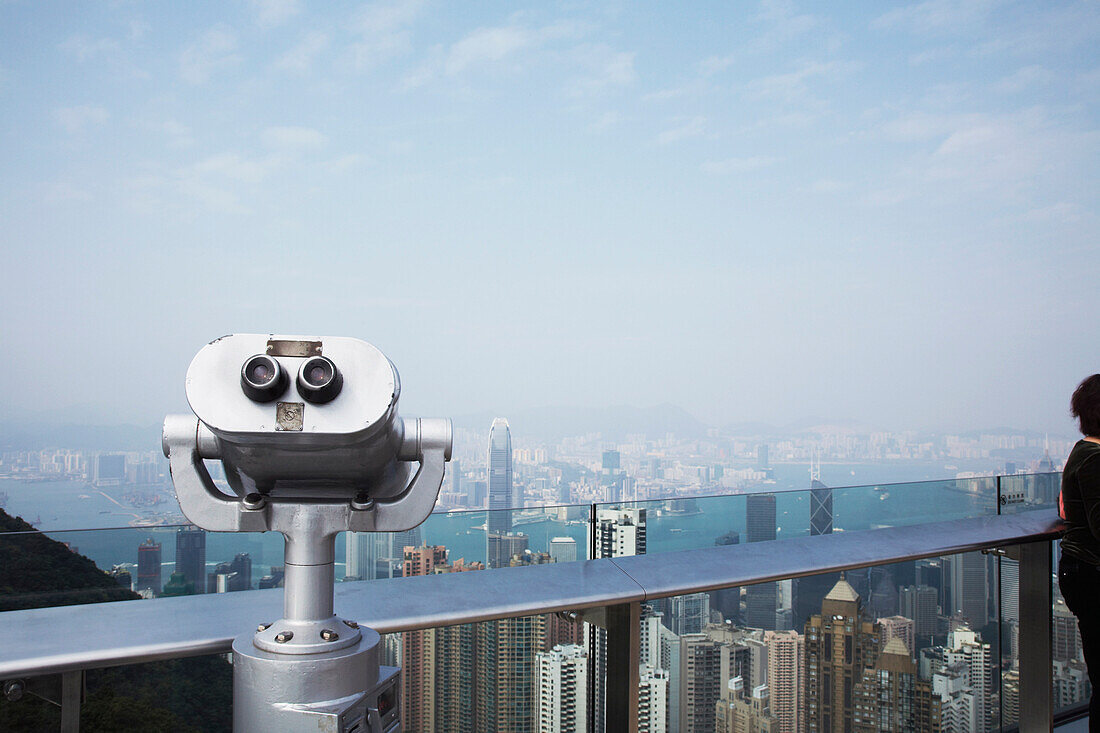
{"x": 966, "y": 649}
{"x": 500, "y": 478}
{"x": 891, "y": 698}
{"x": 506, "y": 673}
{"x": 619, "y": 533}
{"x": 704, "y": 670}
{"x": 652, "y": 700}
{"x": 148, "y": 567}
{"x": 737, "y": 710}
{"x": 418, "y": 674}
{"x": 563, "y": 690}
{"x": 1065, "y": 637}
{"x": 786, "y": 676}
{"x": 900, "y": 628}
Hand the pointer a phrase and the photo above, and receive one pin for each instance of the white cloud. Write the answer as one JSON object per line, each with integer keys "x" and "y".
{"x": 714, "y": 64}
{"x": 604, "y": 122}
{"x": 383, "y": 31}
{"x": 828, "y": 186}
{"x": 87, "y": 49}
{"x": 737, "y": 165}
{"x": 213, "y": 51}
{"x": 935, "y": 16}
{"x": 693, "y": 127}
{"x": 1023, "y": 79}
{"x": 271, "y": 13}
{"x": 293, "y": 138}
{"x": 76, "y": 119}
{"x": 230, "y": 166}
{"x": 486, "y": 45}
{"x": 300, "y": 58}
{"x": 793, "y": 86}
{"x": 138, "y": 29}
{"x": 344, "y": 163}
{"x": 604, "y": 69}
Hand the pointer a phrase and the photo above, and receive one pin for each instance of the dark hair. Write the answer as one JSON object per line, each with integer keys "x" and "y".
{"x": 1085, "y": 405}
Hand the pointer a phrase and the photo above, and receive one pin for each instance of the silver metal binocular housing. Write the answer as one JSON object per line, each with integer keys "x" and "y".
{"x": 302, "y": 421}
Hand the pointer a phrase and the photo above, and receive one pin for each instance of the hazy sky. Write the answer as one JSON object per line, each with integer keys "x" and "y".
{"x": 863, "y": 211}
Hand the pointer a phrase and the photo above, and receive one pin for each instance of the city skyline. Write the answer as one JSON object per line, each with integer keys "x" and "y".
{"x": 760, "y": 212}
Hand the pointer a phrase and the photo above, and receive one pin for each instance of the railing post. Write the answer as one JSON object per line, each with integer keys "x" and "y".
{"x": 1036, "y": 606}
{"x": 623, "y": 659}
{"x": 72, "y": 690}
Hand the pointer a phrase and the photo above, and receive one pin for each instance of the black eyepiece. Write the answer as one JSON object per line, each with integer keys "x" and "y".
{"x": 319, "y": 380}
{"x": 262, "y": 379}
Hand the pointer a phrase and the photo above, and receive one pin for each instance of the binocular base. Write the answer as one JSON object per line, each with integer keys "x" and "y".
{"x": 339, "y": 691}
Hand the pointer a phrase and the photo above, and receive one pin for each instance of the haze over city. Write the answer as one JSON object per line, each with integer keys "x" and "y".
{"x": 774, "y": 213}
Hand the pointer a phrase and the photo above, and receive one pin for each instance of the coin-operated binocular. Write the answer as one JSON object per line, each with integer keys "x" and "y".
{"x": 308, "y": 433}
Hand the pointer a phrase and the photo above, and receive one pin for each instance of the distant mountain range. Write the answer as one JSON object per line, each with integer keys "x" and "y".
{"x": 543, "y": 423}
{"x": 613, "y": 423}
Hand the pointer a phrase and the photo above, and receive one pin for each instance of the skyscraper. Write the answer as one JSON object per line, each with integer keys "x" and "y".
{"x": 563, "y": 690}
{"x": 969, "y": 587}
{"x": 502, "y": 546}
{"x": 727, "y": 601}
{"x": 500, "y": 478}
{"x": 242, "y": 566}
{"x": 688, "y": 614}
{"x": 918, "y": 603}
{"x": 821, "y": 504}
{"x": 761, "y": 600}
{"x": 148, "y": 567}
{"x": 191, "y": 556}
{"x": 840, "y": 643}
{"x": 361, "y": 549}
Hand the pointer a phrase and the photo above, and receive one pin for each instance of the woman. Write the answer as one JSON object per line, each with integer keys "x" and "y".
{"x": 1079, "y": 505}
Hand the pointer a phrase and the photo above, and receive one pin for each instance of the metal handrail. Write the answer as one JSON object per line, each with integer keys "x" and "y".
{"x": 67, "y": 638}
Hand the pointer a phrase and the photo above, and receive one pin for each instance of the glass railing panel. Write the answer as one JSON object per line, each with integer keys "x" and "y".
{"x": 62, "y": 568}
{"x": 697, "y": 522}
{"x": 904, "y": 646}
{"x": 1025, "y": 492}
{"x": 471, "y": 540}
{"x": 188, "y": 695}
{"x": 486, "y": 676}
{"x": 1069, "y": 674}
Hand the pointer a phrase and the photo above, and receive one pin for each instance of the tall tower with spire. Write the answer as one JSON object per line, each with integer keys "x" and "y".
{"x": 500, "y": 477}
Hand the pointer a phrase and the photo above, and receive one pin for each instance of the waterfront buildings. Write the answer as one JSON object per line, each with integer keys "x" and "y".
{"x": 191, "y": 556}
{"x": 148, "y": 567}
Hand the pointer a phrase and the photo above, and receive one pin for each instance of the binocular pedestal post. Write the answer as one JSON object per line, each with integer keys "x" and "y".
{"x": 311, "y": 670}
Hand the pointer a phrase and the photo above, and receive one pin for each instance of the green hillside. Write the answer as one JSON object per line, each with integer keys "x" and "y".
{"x": 194, "y": 694}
